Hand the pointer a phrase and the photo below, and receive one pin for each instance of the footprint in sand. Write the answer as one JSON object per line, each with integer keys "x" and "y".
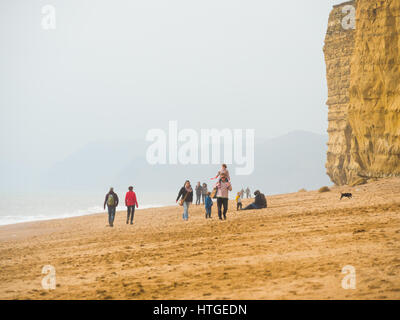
{"x": 373, "y": 287}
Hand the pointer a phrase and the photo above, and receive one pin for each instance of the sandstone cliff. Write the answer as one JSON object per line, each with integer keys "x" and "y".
{"x": 338, "y": 50}
{"x": 363, "y": 91}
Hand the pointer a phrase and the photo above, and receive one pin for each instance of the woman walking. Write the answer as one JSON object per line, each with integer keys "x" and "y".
{"x": 186, "y": 192}
{"x": 204, "y": 191}
{"x": 130, "y": 202}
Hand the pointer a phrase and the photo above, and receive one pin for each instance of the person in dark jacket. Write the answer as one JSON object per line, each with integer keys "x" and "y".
{"x": 111, "y": 201}
{"x": 186, "y": 192}
{"x": 199, "y": 190}
{"x": 260, "y": 201}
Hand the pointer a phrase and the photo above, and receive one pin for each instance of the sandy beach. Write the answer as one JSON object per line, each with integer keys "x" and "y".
{"x": 294, "y": 249}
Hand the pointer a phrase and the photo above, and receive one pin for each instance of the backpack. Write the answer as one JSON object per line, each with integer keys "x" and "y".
{"x": 214, "y": 193}
{"x": 183, "y": 199}
{"x": 110, "y": 200}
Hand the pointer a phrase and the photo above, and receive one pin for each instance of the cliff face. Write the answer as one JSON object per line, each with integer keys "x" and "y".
{"x": 338, "y": 50}
{"x": 363, "y": 92}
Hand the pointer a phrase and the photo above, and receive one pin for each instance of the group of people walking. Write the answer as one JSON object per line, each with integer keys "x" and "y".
{"x": 220, "y": 191}
{"x": 111, "y": 201}
{"x": 201, "y": 192}
{"x": 247, "y": 191}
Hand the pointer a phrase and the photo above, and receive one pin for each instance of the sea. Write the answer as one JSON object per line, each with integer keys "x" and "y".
{"x": 20, "y": 207}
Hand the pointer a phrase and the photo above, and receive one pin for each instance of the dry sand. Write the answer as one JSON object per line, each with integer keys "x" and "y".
{"x": 295, "y": 249}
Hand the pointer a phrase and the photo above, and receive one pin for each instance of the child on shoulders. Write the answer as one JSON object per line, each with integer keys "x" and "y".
{"x": 224, "y": 171}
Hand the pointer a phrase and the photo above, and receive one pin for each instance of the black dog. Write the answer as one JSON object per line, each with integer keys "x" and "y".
{"x": 346, "y": 195}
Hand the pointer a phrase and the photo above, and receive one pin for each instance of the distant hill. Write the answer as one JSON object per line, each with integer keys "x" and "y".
{"x": 290, "y": 162}
{"x": 283, "y": 164}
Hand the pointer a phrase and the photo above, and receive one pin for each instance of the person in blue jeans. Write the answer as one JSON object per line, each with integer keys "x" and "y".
{"x": 208, "y": 204}
{"x": 186, "y": 192}
{"x": 185, "y": 215}
{"x": 111, "y": 201}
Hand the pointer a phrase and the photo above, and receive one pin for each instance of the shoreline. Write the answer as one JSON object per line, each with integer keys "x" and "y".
{"x": 120, "y": 210}
{"x": 145, "y": 207}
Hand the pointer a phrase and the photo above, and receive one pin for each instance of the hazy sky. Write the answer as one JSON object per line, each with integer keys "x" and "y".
{"x": 114, "y": 69}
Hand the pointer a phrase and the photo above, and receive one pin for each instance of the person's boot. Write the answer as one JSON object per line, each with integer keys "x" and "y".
{"x": 131, "y": 221}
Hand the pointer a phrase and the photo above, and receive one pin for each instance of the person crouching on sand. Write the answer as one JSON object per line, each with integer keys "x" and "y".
{"x": 208, "y": 203}
{"x": 238, "y": 201}
{"x": 223, "y": 187}
{"x": 130, "y": 202}
{"x": 111, "y": 201}
{"x": 260, "y": 202}
{"x": 186, "y": 192}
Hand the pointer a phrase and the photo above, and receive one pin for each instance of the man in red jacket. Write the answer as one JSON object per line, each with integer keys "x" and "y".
{"x": 130, "y": 202}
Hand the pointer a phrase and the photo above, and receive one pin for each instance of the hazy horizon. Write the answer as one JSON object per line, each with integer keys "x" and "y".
{"x": 113, "y": 71}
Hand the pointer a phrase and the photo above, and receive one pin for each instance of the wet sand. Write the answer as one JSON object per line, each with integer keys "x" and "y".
{"x": 294, "y": 249}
